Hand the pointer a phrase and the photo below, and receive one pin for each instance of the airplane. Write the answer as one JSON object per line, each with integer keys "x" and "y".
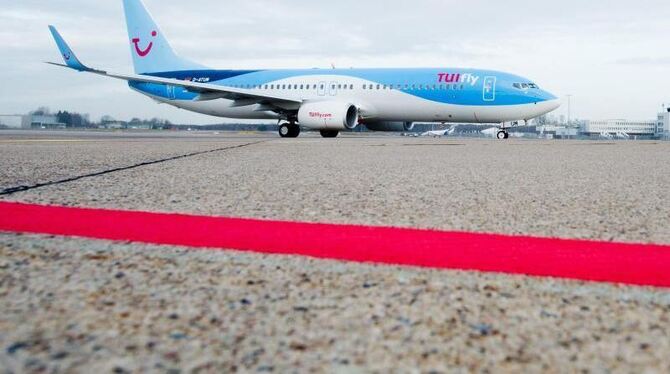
{"x": 606, "y": 135}
{"x": 440, "y": 133}
{"x": 330, "y": 100}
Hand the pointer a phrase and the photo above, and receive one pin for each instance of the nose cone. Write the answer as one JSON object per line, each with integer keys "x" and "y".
{"x": 553, "y": 104}
{"x": 547, "y": 101}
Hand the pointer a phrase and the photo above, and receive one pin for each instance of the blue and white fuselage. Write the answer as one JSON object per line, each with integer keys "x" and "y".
{"x": 407, "y": 95}
{"x": 326, "y": 100}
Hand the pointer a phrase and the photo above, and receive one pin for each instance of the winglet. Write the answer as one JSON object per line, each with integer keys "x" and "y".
{"x": 69, "y": 57}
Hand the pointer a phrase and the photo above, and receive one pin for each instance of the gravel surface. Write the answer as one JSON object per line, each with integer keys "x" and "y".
{"x": 75, "y": 305}
{"x": 29, "y": 158}
{"x": 78, "y": 305}
{"x": 572, "y": 189}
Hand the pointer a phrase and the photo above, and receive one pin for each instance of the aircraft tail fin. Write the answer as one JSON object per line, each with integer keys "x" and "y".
{"x": 69, "y": 57}
{"x": 150, "y": 49}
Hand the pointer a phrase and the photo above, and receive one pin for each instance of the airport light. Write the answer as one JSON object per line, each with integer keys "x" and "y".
{"x": 569, "y": 108}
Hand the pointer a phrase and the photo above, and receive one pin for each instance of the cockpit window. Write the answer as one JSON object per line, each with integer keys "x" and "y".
{"x": 525, "y": 86}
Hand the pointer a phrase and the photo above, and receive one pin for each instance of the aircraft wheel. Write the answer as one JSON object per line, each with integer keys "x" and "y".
{"x": 502, "y": 134}
{"x": 294, "y": 130}
{"x": 329, "y": 133}
{"x": 284, "y": 130}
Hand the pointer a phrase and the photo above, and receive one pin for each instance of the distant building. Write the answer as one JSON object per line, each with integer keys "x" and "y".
{"x": 11, "y": 121}
{"x": 663, "y": 125}
{"x": 559, "y": 132}
{"x": 116, "y": 125}
{"x": 619, "y": 126}
{"x": 41, "y": 121}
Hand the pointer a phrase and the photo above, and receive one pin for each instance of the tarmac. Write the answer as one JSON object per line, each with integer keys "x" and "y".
{"x": 71, "y": 304}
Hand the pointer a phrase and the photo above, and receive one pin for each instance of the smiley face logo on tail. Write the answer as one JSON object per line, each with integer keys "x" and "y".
{"x": 143, "y": 52}
{"x": 67, "y": 56}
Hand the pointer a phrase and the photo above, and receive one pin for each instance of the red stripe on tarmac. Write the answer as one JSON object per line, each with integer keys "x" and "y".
{"x": 636, "y": 264}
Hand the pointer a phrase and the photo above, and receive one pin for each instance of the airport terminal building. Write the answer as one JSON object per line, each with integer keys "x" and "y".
{"x": 658, "y": 128}
{"x": 663, "y": 125}
{"x": 619, "y": 126}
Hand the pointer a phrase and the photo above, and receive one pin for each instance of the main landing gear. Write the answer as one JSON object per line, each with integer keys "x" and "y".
{"x": 502, "y": 135}
{"x": 329, "y": 133}
{"x": 289, "y": 130}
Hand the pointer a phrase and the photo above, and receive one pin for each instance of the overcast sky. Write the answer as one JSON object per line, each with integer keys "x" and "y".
{"x": 612, "y": 56}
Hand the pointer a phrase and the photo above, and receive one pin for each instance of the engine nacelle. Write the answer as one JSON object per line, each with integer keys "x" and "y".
{"x": 390, "y": 126}
{"x": 328, "y": 115}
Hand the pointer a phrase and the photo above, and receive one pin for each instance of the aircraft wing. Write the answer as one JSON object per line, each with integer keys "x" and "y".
{"x": 206, "y": 91}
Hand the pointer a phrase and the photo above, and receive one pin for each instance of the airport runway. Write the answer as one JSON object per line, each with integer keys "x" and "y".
{"x": 70, "y": 304}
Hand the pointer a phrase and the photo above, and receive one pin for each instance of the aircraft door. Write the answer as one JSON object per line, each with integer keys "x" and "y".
{"x": 171, "y": 92}
{"x": 333, "y": 88}
{"x": 490, "y": 88}
{"x": 322, "y": 89}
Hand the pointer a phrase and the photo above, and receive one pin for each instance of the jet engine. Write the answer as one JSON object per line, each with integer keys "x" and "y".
{"x": 390, "y": 126}
{"x": 328, "y": 115}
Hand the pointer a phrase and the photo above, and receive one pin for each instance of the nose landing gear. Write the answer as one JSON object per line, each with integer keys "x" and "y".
{"x": 502, "y": 131}
{"x": 502, "y": 135}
